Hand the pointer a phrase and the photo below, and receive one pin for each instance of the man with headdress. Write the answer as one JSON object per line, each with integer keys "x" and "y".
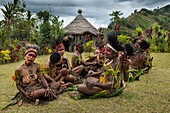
{"x": 124, "y": 55}
{"x": 133, "y": 56}
{"x": 117, "y": 53}
{"x": 113, "y": 41}
{"x": 29, "y": 80}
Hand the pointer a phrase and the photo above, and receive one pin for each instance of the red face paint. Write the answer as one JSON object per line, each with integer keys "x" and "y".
{"x": 31, "y": 55}
{"x": 59, "y": 47}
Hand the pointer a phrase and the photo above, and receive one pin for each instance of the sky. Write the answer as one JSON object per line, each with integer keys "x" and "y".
{"x": 95, "y": 11}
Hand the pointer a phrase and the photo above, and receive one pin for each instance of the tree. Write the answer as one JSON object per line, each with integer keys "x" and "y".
{"x": 57, "y": 29}
{"x": 13, "y": 13}
{"x": 110, "y": 26}
{"x": 43, "y": 15}
{"x": 50, "y": 28}
{"x": 116, "y": 25}
{"x": 7, "y": 13}
{"x": 116, "y": 16}
{"x": 20, "y": 25}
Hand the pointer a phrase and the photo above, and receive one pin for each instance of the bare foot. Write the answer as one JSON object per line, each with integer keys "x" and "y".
{"x": 74, "y": 94}
{"x": 37, "y": 101}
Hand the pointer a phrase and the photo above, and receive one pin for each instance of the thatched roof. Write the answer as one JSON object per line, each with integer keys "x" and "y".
{"x": 79, "y": 26}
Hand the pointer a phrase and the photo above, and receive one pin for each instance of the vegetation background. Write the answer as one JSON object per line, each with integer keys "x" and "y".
{"x": 151, "y": 94}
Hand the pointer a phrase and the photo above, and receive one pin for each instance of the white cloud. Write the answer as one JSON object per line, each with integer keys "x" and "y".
{"x": 1, "y": 14}
{"x": 95, "y": 11}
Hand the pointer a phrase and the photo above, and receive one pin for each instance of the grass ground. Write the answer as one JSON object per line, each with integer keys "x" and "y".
{"x": 151, "y": 94}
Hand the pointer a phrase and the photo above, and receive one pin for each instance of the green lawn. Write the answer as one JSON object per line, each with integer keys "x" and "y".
{"x": 149, "y": 95}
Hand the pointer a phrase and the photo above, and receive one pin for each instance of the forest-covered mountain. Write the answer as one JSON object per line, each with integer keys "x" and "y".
{"x": 145, "y": 18}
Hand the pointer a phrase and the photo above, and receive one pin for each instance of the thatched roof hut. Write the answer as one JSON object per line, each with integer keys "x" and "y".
{"x": 80, "y": 30}
{"x": 80, "y": 26}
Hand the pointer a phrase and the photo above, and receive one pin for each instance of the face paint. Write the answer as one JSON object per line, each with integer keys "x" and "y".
{"x": 30, "y": 57}
{"x": 59, "y": 47}
{"x": 103, "y": 50}
{"x": 80, "y": 49}
{"x": 61, "y": 51}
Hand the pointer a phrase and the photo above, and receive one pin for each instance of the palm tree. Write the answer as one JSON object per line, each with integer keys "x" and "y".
{"x": 8, "y": 12}
{"x": 14, "y": 14}
{"x": 8, "y": 16}
{"x": 116, "y": 16}
{"x": 11, "y": 9}
{"x": 117, "y": 20}
{"x": 29, "y": 15}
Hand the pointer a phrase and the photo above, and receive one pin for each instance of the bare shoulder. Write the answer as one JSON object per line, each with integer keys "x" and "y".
{"x": 19, "y": 68}
{"x": 37, "y": 65}
{"x": 74, "y": 54}
{"x": 65, "y": 57}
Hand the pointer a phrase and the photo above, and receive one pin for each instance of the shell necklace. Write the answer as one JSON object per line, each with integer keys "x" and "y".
{"x": 31, "y": 75}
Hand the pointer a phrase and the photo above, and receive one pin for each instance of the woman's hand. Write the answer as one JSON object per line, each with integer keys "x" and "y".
{"x": 28, "y": 95}
{"x": 47, "y": 92}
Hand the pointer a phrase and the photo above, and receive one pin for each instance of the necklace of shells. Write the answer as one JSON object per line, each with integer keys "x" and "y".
{"x": 31, "y": 75}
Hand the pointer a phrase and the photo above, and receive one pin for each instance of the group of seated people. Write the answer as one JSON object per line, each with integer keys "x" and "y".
{"x": 107, "y": 70}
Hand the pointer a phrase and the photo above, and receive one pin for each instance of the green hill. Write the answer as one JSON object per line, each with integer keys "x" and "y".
{"x": 145, "y": 18}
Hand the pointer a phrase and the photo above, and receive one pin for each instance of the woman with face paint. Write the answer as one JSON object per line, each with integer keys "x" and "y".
{"x": 30, "y": 83}
{"x": 61, "y": 50}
